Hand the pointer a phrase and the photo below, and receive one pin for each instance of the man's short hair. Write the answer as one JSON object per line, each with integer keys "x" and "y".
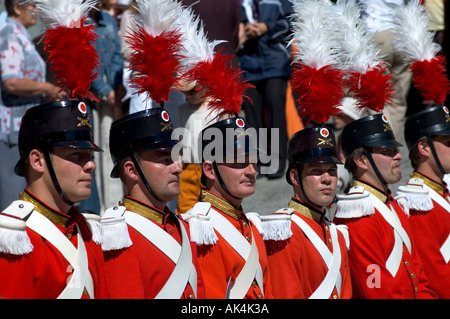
{"x": 414, "y": 154}
{"x": 350, "y": 164}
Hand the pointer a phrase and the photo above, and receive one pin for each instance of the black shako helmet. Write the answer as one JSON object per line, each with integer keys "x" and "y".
{"x": 312, "y": 145}
{"x": 150, "y": 129}
{"x": 370, "y": 131}
{"x": 430, "y": 122}
{"x": 64, "y": 123}
{"x": 227, "y": 141}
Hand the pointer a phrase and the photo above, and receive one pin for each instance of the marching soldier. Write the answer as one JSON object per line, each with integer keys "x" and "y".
{"x": 147, "y": 249}
{"x": 230, "y": 248}
{"x": 427, "y": 134}
{"x": 56, "y": 250}
{"x": 307, "y": 253}
{"x": 384, "y": 262}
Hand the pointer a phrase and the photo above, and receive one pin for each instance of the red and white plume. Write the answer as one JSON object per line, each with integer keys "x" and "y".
{"x": 416, "y": 43}
{"x": 367, "y": 78}
{"x": 155, "y": 60}
{"x": 316, "y": 79}
{"x": 69, "y": 43}
{"x": 219, "y": 82}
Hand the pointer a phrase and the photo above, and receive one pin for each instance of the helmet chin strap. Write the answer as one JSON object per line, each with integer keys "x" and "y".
{"x": 436, "y": 158}
{"x": 222, "y": 183}
{"x": 143, "y": 178}
{"x": 374, "y": 166}
{"x": 56, "y": 184}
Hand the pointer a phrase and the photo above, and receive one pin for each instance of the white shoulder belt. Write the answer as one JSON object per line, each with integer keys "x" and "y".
{"x": 332, "y": 260}
{"x": 445, "y": 249}
{"x": 184, "y": 271}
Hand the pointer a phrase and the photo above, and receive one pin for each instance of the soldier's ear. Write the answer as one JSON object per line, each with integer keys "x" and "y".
{"x": 208, "y": 170}
{"x": 293, "y": 176}
{"x": 36, "y": 161}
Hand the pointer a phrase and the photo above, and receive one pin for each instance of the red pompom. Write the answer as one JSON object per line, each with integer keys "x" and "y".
{"x": 430, "y": 79}
{"x": 220, "y": 83}
{"x": 372, "y": 89}
{"x": 73, "y": 57}
{"x": 155, "y": 63}
{"x": 320, "y": 92}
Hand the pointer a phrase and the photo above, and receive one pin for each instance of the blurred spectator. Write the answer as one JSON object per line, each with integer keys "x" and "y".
{"x": 266, "y": 60}
{"x": 222, "y": 21}
{"x": 23, "y": 75}
{"x": 109, "y": 90}
{"x": 378, "y": 17}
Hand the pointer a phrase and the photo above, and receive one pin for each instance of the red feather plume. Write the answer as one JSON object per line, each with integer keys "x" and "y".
{"x": 430, "y": 79}
{"x": 320, "y": 92}
{"x": 372, "y": 89}
{"x": 155, "y": 63}
{"x": 73, "y": 57}
{"x": 221, "y": 83}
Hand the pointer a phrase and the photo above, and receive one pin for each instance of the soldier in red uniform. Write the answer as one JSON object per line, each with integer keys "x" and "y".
{"x": 384, "y": 261}
{"x": 307, "y": 253}
{"x": 147, "y": 249}
{"x": 231, "y": 250}
{"x": 427, "y": 134}
{"x": 48, "y": 248}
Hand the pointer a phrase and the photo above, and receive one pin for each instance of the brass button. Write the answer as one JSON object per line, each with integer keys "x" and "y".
{"x": 329, "y": 240}
{"x": 171, "y": 230}
{"x": 407, "y": 263}
{"x": 335, "y": 297}
{"x": 260, "y": 296}
{"x": 69, "y": 235}
{"x": 248, "y": 238}
{"x": 413, "y": 275}
{"x": 245, "y": 224}
{"x": 254, "y": 284}
{"x": 191, "y": 297}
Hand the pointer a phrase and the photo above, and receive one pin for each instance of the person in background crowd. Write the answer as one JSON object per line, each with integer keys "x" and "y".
{"x": 109, "y": 90}
{"x": 266, "y": 60}
{"x": 23, "y": 76}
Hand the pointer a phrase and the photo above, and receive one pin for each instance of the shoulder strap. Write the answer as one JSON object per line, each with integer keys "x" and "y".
{"x": 416, "y": 195}
{"x": 355, "y": 204}
{"x": 201, "y": 229}
{"x": 277, "y": 226}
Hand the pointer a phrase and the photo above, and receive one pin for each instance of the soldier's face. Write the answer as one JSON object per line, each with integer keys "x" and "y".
{"x": 442, "y": 147}
{"x": 73, "y": 169}
{"x": 387, "y": 160}
{"x": 239, "y": 178}
{"x": 319, "y": 182}
{"x": 161, "y": 172}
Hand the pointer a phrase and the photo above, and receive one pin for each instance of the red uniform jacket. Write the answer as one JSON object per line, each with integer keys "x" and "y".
{"x": 141, "y": 270}
{"x": 44, "y": 272}
{"x": 220, "y": 262}
{"x": 431, "y": 229}
{"x": 371, "y": 242}
{"x": 296, "y": 267}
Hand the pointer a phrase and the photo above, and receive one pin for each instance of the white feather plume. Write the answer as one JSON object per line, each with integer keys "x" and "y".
{"x": 157, "y": 16}
{"x": 359, "y": 52}
{"x": 66, "y": 13}
{"x": 413, "y": 38}
{"x": 312, "y": 23}
{"x": 195, "y": 45}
